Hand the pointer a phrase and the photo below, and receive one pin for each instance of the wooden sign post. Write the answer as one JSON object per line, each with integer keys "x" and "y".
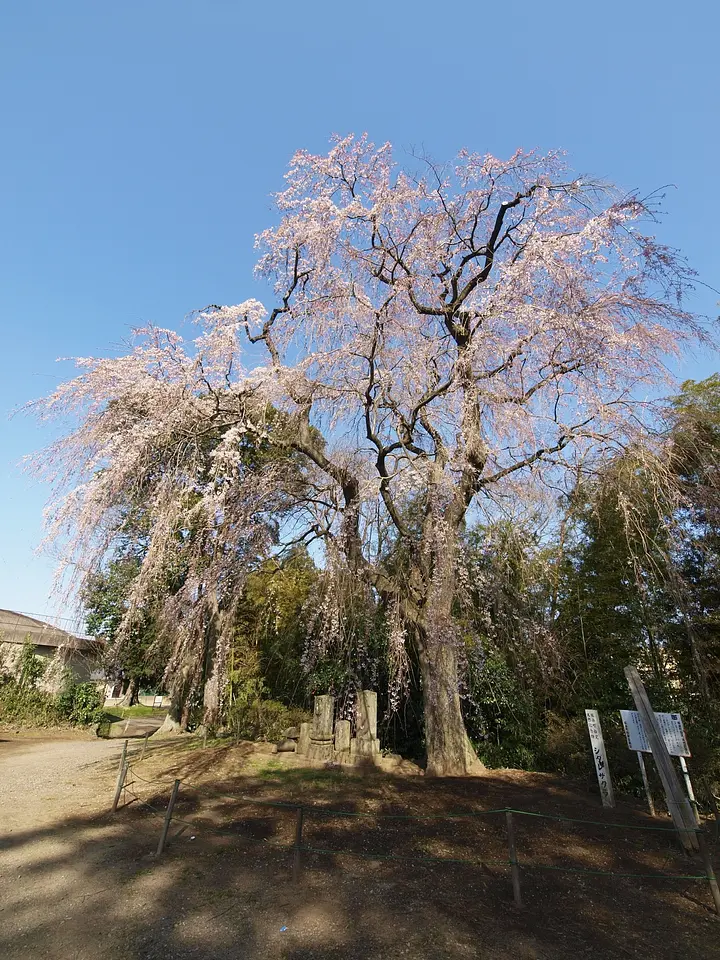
{"x": 600, "y": 757}
{"x": 690, "y": 791}
{"x": 673, "y": 734}
{"x": 680, "y": 808}
{"x": 646, "y": 782}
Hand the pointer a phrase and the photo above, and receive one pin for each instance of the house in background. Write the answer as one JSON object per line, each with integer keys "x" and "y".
{"x": 60, "y": 649}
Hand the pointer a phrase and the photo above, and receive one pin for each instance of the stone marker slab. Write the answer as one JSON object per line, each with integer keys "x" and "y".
{"x": 323, "y": 717}
{"x": 304, "y": 739}
{"x": 367, "y": 748}
{"x": 366, "y": 715}
{"x": 342, "y": 736}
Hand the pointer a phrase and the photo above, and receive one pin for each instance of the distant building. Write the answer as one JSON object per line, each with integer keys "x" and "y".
{"x": 60, "y": 649}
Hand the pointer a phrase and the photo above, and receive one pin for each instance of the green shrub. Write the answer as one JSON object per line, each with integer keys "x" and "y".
{"x": 517, "y": 756}
{"x": 80, "y": 703}
{"x": 263, "y": 719}
{"x": 26, "y": 706}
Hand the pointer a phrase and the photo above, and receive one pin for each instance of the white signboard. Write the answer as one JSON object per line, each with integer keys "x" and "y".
{"x": 671, "y": 727}
{"x": 600, "y": 757}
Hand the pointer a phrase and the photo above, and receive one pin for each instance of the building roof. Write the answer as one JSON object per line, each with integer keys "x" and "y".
{"x": 16, "y": 627}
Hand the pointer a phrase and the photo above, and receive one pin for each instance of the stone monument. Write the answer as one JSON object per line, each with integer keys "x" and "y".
{"x": 329, "y": 740}
{"x": 343, "y": 730}
{"x": 365, "y": 743}
{"x": 304, "y": 738}
{"x": 321, "y": 734}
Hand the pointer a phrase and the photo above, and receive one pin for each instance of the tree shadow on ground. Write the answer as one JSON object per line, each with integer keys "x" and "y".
{"x": 92, "y": 888}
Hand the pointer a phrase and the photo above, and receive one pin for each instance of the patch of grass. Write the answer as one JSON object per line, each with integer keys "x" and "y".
{"x": 116, "y": 714}
{"x": 139, "y": 710}
{"x": 279, "y": 773}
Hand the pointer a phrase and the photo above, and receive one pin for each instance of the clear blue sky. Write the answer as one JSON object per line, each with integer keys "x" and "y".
{"x": 141, "y": 141}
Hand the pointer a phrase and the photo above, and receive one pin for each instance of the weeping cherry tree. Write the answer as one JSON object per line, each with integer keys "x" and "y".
{"x": 441, "y": 341}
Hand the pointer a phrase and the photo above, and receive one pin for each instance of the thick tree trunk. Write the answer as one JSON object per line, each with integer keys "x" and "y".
{"x": 171, "y": 723}
{"x": 449, "y": 751}
{"x": 177, "y": 716}
{"x": 211, "y": 690}
{"x": 697, "y": 659}
{"x": 130, "y": 697}
{"x": 214, "y": 671}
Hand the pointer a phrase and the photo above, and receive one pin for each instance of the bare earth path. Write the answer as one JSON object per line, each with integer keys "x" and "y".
{"x": 49, "y": 780}
{"x": 46, "y": 786}
{"x": 79, "y": 884}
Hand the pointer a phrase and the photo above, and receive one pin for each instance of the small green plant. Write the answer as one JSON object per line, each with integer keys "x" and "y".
{"x": 31, "y": 667}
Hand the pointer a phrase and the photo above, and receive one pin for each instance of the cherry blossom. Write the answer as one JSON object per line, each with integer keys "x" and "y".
{"x": 439, "y": 338}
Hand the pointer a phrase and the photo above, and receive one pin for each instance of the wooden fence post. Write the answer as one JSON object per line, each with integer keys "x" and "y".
{"x": 168, "y": 818}
{"x": 514, "y": 866}
{"x": 707, "y": 863}
{"x": 120, "y": 784}
{"x": 297, "y": 854}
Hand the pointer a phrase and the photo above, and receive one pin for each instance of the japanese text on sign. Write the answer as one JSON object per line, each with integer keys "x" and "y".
{"x": 671, "y": 728}
{"x": 600, "y": 758}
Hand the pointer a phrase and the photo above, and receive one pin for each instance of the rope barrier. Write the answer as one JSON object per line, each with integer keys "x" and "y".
{"x": 596, "y": 823}
{"x": 452, "y": 815}
{"x": 613, "y": 873}
{"x": 410, "y": 859}
{"x": 198, "y": 826}
{"x": 505, "y": 863}
{"x": 131, "y": 769}
{"x": 331, "y": 812}
{"x": 391, "y": 856}
{"x": 281, "y": 804}
{"x": 308, "y": 848}
{"x": 160, "y": 813}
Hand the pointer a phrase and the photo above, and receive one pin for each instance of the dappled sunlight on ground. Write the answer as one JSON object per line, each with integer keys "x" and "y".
{"x": 78, "y": 882}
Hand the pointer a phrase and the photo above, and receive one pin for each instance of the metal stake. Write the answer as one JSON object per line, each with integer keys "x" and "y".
{"x": 690, "y": 791}
{"x": 120, "y": 784}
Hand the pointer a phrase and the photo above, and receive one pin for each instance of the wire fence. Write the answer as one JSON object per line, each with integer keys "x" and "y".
{"x": 309, "y": 810}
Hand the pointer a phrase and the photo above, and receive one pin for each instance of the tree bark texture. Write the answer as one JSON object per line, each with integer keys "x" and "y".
{"x": 177, "y": 716}
{"x": 449, "y": 751}
{"x": 211, "y": 689}
{"x": 130, "y": 697}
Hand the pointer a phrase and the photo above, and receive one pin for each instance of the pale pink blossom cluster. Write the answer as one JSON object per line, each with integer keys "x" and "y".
{"x": 441, "y": 337}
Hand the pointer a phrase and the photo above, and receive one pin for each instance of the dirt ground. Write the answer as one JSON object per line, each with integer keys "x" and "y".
{"x": 78, "y": 883}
